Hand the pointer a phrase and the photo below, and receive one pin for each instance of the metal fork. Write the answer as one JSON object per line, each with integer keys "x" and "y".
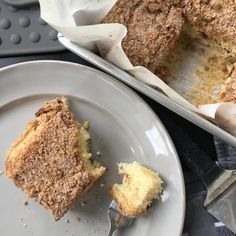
{"x": 116, "y": 219}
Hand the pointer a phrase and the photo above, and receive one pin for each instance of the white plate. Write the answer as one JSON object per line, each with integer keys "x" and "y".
{"x": 123, "y": 128}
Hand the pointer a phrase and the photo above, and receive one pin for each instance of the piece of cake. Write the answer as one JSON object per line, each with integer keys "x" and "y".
{"x": 139, "y": 187}
{"x": 214, "y": 19}
{"x": 50, "y": 160}
{"x": 153, "y": 28}
{"x": 228, "y": 91}
{"x": 155, "y": 25}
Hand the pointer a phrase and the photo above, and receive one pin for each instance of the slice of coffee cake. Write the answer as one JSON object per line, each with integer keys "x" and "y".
{"x": 153, "y": 28}
{"x": 50, "y": 160}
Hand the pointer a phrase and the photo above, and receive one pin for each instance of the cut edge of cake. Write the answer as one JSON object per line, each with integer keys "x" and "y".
{"x": 228, "y": 90}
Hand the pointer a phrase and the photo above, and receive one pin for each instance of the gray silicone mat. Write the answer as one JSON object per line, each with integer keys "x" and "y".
{"x": 22, "y": 31}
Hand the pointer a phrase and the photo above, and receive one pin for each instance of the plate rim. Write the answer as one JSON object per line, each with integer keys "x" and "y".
{"x": 139, "y": 98}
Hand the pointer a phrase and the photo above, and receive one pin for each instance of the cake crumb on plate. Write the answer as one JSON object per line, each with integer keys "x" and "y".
{"x": 98, "y": 153}
{"x": 83, "y": 204}
{"x": 86, "y": 124}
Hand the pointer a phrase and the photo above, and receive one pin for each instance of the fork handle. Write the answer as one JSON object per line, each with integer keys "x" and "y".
{"x": 111, "y": 231}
